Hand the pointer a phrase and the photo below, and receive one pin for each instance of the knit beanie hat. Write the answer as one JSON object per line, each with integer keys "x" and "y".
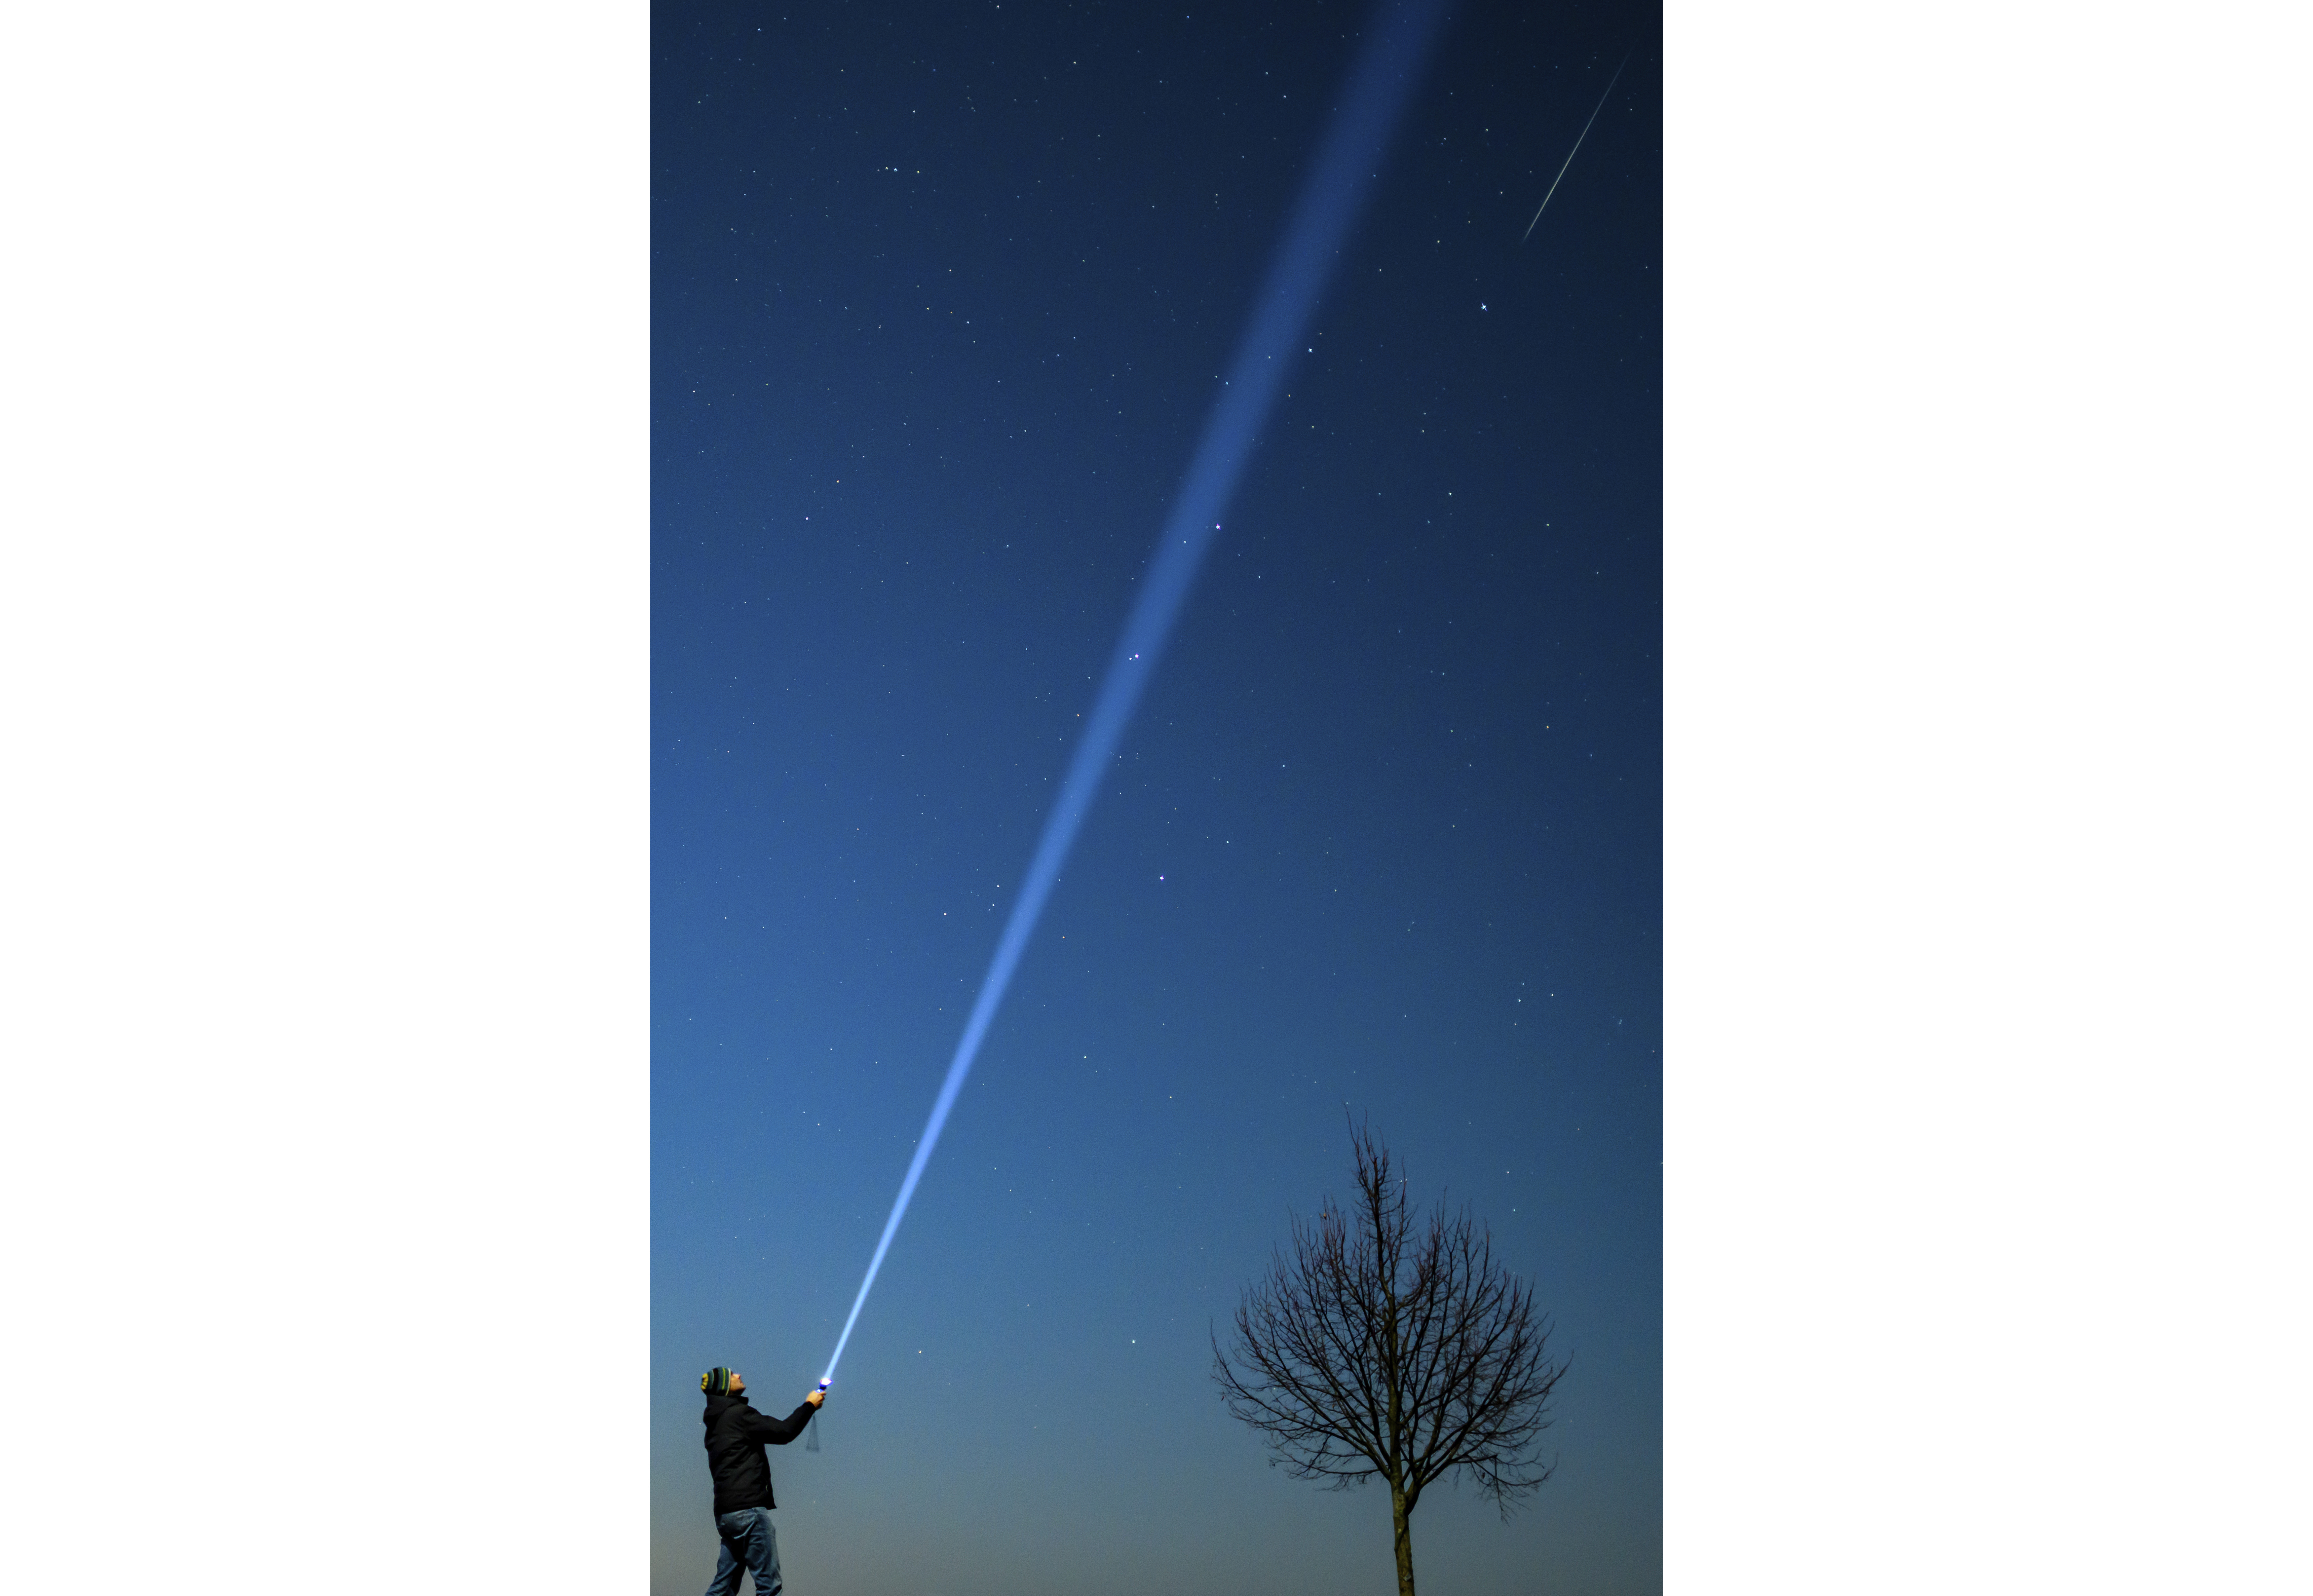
{"x": 715, "y": 1382}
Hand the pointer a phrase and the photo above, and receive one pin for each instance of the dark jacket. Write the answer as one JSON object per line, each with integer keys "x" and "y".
{"x": 737, "y": 1435}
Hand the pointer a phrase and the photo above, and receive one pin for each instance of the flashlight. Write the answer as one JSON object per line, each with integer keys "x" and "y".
{"x": 825, "y": 1384}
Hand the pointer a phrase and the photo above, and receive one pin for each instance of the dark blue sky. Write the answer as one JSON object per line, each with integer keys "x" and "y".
{"x": 941, "y": 296}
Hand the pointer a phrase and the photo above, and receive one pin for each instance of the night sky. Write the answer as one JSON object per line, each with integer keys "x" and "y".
{"x": 941, "y": 299}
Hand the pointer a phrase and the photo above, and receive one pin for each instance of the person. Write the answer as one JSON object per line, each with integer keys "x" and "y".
{"x": 737, "y": 1435}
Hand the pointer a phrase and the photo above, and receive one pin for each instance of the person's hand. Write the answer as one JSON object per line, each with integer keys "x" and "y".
{"x": 816, "y": 1397}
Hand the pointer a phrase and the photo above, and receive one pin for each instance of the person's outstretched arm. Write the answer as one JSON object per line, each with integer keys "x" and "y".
{"x": 764, "y": 1427}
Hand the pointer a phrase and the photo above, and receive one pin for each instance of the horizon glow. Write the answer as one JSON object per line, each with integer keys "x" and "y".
{"x": 1347, "y": 162}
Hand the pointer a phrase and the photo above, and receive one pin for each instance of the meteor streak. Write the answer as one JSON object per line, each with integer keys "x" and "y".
{"x": 1377, "y": 90}
{"x": 1569, "y": 155}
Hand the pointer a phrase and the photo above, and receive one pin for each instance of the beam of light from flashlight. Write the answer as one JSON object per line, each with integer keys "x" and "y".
{"x": 1377, "y": 90}
{"x": 1570, "y": 153}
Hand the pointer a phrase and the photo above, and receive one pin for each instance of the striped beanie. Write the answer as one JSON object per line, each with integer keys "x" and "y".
{"x": 715, "y": 1382}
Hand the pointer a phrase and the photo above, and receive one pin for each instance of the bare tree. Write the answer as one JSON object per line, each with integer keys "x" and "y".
{"x": 1370, "y": 1351}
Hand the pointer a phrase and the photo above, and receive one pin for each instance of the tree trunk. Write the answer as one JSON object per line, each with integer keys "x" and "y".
{"x": 1400, "y": 1522}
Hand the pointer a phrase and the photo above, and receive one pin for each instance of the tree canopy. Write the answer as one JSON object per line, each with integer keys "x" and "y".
{"x": 1381, "y": 1346}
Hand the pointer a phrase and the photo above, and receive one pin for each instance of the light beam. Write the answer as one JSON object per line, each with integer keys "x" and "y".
{"x": 1347, "y": 162}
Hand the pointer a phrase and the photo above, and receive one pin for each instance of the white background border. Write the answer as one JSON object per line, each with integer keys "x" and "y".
{"x": 1986, "y": 797}
{"x": 323, "y": 637}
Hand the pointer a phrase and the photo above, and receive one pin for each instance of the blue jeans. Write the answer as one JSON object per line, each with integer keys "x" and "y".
{"x": 747, "y": 1543}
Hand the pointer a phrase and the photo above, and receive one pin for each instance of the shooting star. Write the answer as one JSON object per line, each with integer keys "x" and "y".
{"x": 1569, "y": 155}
